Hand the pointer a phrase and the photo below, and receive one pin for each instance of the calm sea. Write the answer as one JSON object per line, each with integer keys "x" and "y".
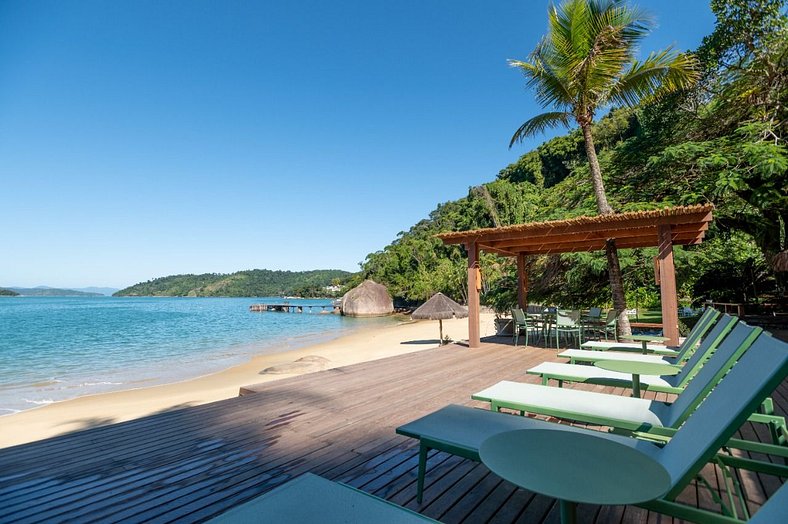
{"x": 55, "y": 348}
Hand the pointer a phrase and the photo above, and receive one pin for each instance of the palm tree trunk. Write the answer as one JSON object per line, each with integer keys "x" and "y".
{"x": 603, "y": 207}
{"x": 617, "y": 287}
{"x": 596, "y": 173}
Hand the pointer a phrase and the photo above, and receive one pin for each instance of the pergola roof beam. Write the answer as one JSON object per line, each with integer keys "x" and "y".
{"x": 541, "y": 240}
{"x": 602, "y": 223}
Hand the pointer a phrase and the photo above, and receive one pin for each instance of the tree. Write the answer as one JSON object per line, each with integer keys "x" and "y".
{"x": 586, "y": 63}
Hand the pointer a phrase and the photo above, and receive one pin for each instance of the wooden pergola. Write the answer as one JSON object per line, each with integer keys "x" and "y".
{"x": 661, "y": 228}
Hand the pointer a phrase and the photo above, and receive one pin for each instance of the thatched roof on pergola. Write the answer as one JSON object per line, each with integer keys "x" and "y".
{"x": 688, "y": 225}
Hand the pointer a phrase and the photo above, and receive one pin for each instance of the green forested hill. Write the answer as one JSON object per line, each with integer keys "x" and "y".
{"x": 252, "y": 283}
{"x": 7, "y": 293}
{"x": 724, "y": 142}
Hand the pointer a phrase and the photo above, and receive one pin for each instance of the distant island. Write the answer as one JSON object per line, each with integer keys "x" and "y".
{"x": 251, "y": 283}
{"x": 7, "y": 293}
{"x": 44, "y": 291}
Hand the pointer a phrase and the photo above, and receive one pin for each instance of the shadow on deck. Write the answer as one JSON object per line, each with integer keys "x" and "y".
{"x": 193, "y": 463}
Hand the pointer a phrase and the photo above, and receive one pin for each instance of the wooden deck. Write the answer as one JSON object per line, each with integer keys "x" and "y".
{"x": 191, "y": 464}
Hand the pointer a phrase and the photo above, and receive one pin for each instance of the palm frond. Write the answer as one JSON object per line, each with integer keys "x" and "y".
{"x": 633, "y": 22}
{"x": 660, "y": 73}
{"x": 587, "y": 60}
{"x": 551, "y": 89}
{"x": 539, "y": 124}
{"x": 613, "y": 31}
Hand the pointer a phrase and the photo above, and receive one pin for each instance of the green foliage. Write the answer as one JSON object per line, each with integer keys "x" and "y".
{"x": 742, "y": 27}
{"x": 723, "y": 141}
{"x": 252, "y": 283}
{"x": 587, "y": 62}
{"x": 7, "y": 293}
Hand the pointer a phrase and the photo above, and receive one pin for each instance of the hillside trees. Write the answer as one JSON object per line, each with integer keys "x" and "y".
{"x": 723, "y": 142}
{"x": 585, "y": 63}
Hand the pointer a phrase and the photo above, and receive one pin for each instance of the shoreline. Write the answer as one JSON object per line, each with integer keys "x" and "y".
{"x": 362, "y": 345}
{"x": 103, "y": 345}
{"x": 241, "y": 355}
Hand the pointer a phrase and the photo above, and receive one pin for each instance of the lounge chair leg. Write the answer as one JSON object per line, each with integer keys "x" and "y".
{"x": 423, "y": 450}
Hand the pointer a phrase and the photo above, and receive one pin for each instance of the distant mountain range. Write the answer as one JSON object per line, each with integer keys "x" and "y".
{"x": 108, "y": 291}
{"x": 252, "y": 283}
{"x": 46, "y": 291}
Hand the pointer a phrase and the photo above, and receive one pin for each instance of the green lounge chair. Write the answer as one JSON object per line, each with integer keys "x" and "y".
{"x": 685, "y": 351}
{"x": 625, "y": 413}
{"x": 668, "y": 384}
{"x": 702, "y": 326}
{"x": 775, "y": 509}
{"x": 313, "y": 499}
{"x": 461, "y": 430}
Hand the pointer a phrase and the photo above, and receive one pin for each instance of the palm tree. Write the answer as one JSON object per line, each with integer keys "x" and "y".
{"x": 587, "y": 62}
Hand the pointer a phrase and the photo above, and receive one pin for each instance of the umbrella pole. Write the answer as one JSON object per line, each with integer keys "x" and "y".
{"x": 440, "y": 324}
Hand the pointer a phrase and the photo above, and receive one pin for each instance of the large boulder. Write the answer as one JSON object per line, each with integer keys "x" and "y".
{"x": 368, "y": 299}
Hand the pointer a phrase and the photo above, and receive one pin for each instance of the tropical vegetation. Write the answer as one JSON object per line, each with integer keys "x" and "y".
{"x": 586, "y": 63}
{"x": 720, "y": 141}
{"x": 252, "y": 283}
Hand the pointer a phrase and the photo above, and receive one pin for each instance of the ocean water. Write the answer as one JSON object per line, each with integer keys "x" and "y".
{"x": 56, "y": 348}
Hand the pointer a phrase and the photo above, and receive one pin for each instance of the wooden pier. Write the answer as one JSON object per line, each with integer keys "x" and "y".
{"x": 295, "y": 308}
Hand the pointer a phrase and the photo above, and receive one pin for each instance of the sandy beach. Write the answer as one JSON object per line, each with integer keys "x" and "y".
{"x": 97, "y": 410}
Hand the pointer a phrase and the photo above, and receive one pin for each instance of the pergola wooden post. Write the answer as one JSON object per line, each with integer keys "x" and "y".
{"x": 474, "y": 286}
{"x": 522, "y": 282}
{"x": 667, "y": 286}
{"x": 662, "y": 228}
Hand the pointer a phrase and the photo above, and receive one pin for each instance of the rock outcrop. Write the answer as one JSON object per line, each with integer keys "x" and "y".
{"x": 368, "y": 299}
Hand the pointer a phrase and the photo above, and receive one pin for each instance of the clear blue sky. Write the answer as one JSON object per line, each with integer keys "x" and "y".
{"x": 141, "y": 138}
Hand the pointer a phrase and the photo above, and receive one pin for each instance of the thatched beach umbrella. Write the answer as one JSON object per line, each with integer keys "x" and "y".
{"x": 440, "y": 307}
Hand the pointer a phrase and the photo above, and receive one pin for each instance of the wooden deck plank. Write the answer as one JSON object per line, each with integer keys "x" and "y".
{"x": 191, "y": 464}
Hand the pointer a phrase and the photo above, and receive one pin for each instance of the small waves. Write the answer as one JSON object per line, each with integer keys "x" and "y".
{"x": 42, "y": 402}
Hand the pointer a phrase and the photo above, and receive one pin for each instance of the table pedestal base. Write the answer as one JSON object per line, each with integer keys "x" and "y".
{"x": 568, "y": 511}
{"x": 635, "y": 385}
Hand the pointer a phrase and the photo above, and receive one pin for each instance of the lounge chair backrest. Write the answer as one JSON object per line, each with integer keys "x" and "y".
{"x": 722, "y": 413}
{"x": 726, "y": 355}
{"x": 518, "y": 315}
{"x": 698, "y": 331}
{"x": 595, "y": 312}
{"x": 709, "y": 344}
{"x": 612, "y": 315}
